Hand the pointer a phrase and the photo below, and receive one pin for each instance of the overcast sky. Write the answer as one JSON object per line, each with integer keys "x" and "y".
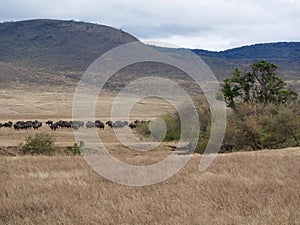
{"x": 205, "y": 24}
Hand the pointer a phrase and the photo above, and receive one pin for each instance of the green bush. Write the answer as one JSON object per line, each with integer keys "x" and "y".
{"x": 202, "y": 142}
{"x": 281, "y": 126}
{"x": 173, "y": 127}
{"x": 76, "y": 149}
{"x": 255, "y": 126}
{"x": 173, "y": 124}
{"x": 143, "y": 128}
{"x": 40, "y": 143}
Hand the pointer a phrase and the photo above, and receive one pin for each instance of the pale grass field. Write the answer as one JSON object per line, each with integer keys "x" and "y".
{"x": 55, "y": 103}
{"x": 239, "y": 188}
{"x": 48, "y": 102}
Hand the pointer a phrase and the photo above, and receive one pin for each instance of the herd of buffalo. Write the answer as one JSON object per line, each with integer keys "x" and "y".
{"x": 35, "y": 124}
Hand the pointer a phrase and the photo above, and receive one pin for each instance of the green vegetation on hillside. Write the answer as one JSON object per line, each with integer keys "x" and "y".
{"x": 284, "y": 54}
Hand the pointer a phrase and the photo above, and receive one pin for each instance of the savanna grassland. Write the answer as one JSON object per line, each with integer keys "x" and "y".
{"x": 41, "y": 62}
{"x": 238, "y": 188}
{"x": 259, "y": 187}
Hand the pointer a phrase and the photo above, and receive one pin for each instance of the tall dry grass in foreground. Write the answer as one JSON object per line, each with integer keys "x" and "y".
{"x": 239, "y": 188}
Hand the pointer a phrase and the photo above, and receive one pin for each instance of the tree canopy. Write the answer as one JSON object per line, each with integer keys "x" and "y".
{"x": 260, "y": 85}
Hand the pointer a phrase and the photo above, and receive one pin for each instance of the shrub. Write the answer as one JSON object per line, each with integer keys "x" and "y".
{"x": 76, "y": 149}
{"x": 281, "y": 126}
{"x": 40, "y": 143}
{"x": 173, "y": 124}
{"x": 173, "y": 127}
{"x": 202, "y": 142}
{"x": 256, "y": 126}
{"x": 242, "y": 132}
{"x": 143, "y": 128}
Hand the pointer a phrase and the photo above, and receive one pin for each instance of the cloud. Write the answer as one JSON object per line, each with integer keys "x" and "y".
{"x": 214, "y": 24}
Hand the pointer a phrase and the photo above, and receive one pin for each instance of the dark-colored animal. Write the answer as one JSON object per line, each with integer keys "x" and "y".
{"x": 136, "y": 122}
{"x": 53, "y": 126}
{"x": 99, "y": 124}
{"x": 64, "y": 124}
{"x": 17, "y": 126}
{"x": 117, "y": 124}
{"x": 90, "y": 124}
{"x": 8, "y": 124}
{"x": 75, "y": 126}
{"x": 132, "y": 125}
{"x": 36, "y": 124}
{"x": 27, "y": 125}
{"x": 49, "y": 122}
{"x": 78, "y": 123}
{"x": 109, "y": 123}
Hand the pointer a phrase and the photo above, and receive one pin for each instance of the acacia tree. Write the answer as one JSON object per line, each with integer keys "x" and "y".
{"x": 260, "y": 85}
{"x": 269, "y": 114}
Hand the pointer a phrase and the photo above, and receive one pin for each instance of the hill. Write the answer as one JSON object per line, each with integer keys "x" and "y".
{"x": 55, "y": 51}
{"x": 54, "y": 46}
{"x": 285, "y": 54}
{"x": 271, "y": 51}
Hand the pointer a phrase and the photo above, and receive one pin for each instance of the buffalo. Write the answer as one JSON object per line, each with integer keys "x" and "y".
{"x": 8, "y": 124}
{"x": 99, "y": 124}
{"x": 53, "y": 126}
{"x": 117, "y": 124}
{"x": 132, "y": 125}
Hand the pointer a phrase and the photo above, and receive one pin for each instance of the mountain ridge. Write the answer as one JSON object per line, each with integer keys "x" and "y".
{"x": 254, "y": 51}
{"x": 67, "y": 48}
{"x": 57, "y": 45}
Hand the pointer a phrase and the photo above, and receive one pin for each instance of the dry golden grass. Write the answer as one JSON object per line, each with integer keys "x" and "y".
{"x": 240, "y": 188}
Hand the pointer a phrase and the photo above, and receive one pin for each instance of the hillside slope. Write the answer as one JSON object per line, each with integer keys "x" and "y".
{"x": 285, "y": 54}
{"x": 55, "y": 46}
{"x": 37, "y": 48}
{"x": 271, "y": 51}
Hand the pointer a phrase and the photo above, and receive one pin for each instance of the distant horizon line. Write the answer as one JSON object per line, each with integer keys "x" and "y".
{"x": 141, "y": 39}
{"x": 228, "y": 49}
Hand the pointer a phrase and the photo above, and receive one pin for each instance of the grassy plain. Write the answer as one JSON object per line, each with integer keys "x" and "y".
{"x": 239, "y": 188}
